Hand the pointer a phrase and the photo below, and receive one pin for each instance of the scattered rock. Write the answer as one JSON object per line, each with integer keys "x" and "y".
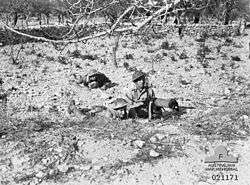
{"x": 97, "y": 167}
{"x": 40, "y": 174}
{"x": 139, "y": 143}
{"x": 227, "y": 91}
{"x": 153, "y": 139}
{"x": 184, "y": 82}
{"x": 173, "y": 58}
{"x": 245, "y": 118}
{"x": 222, "y": 102}
{"x": 183, "y": 55}
{"x": 85, "y": 168}
{"x": 35, "y": 181}
{"x": 153, "y": 153}
{"x": 45, "y": 161}
{"x": 105, "y": 159}
{"x": 160, "y": 136}
{"x": 63, "y": 168}
{"x": 52, "y": 172}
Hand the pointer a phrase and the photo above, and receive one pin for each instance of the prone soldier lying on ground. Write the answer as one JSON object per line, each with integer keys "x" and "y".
{"x": 143, "y": 100}
{"x": 117, "y": 109}
{"x": 95, "y": 79}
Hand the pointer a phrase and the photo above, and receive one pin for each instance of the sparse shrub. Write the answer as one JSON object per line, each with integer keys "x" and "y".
{"x": 164, "y": 54}
{"x": 239, "y": 45}
{"x": 157, "y": 58}
{"x": 75, "y": 54}
{"x": 126, "y": 65}
{"x": 102, "y": 61}
{"x": 228, "y": 42}
{"x": 146, "y": 40}
{"x": 173, "y": 46}
{"x": 49, "y": 58}
{"x": 129, "y": 56}
{"x": 147, "y": 60}
{"x": 62, "y": 60}
{"x": 165, "y": 45}
{"x": 150, "y": 50}
{"x": 218, "y": 48}
{"x": 173, "y": 58}
{"x": 89, "y": 57}
{"x": 124, "y": 44}
{"x": 201, "y": 54}
{"x": 40, "y": 55}
{"x": 207, "y": 50}
{"x": 183, "y": 55}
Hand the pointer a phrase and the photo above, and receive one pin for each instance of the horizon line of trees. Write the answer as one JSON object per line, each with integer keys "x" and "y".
{"x": 70, "y": 10}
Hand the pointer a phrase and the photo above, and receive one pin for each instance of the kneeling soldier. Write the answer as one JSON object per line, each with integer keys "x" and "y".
{"x": 143, "y": 100}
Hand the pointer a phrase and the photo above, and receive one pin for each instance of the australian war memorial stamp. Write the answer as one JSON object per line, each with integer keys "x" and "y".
{"x": 222, "y": 165}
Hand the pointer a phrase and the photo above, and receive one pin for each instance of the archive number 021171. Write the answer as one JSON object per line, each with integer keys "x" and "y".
{"x": 225, "y": 177}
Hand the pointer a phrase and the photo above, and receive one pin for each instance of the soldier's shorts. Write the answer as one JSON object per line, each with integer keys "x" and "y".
{"x": 142, "y": 112}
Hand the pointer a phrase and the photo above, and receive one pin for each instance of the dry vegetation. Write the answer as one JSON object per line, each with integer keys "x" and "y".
{"x": 41, "y": 144}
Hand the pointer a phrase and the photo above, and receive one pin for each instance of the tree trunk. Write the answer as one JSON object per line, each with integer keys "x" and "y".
{"x": 59, "y": 18}
{"x": 197, "y": 18}
{"x": 47, "y": 18}
{"x": 249, "y": 49}
{"x": 227, "y": 18}
{"x": 15, "y": 18}
{"x": 27, "y": 19}
{"x": 114, "y": 50}
{"x": 40, "y": 19}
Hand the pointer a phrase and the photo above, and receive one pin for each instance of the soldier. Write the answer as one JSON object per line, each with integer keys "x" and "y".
{"x": 116, "y": 110}
{"x": 119, "y": 108}
{"x": 143, "y": 100}
{"x": 95, "y": 79}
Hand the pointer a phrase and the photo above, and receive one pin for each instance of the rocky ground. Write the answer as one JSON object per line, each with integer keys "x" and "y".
{"x": 42, "y": 144}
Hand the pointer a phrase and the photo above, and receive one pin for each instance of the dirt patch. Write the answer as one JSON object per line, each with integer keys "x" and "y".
{"x": 42, "y": 144}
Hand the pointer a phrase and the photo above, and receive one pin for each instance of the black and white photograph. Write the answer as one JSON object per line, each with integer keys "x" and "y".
{"x": 124, "y": 92}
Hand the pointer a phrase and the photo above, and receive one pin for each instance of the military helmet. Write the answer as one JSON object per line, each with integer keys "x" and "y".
{"x": 118, "y": 103}
{"x": 137, "y": 75}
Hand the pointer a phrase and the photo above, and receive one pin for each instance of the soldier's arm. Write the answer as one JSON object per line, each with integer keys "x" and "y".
{"x": 130, "y": 98}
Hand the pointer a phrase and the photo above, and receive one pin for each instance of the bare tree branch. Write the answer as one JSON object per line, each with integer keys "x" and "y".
{"x": 120, "y": 18}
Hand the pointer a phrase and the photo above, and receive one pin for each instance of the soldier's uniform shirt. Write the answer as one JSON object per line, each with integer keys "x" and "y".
{"x": 144, "y": 95}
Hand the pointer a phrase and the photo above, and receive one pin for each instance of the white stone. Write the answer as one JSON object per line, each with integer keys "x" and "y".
{"x": 63, "y": 168}
{"x": 139, "y": 143}
{"x": 40, "y": 174}
{"x": 227, "y": 91}
{"x": 105, "y": 159}
{"x": 85, "y": 168}
{"x": 244, "y": 117}
{"x": 45, "y": 161}
{"x": 153, "y": 153}
{"x": 160, "y": 136}
{"x": 97, "y": 167}
{"x": 51, "y": 172}
{"x": 153, "y": 139}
